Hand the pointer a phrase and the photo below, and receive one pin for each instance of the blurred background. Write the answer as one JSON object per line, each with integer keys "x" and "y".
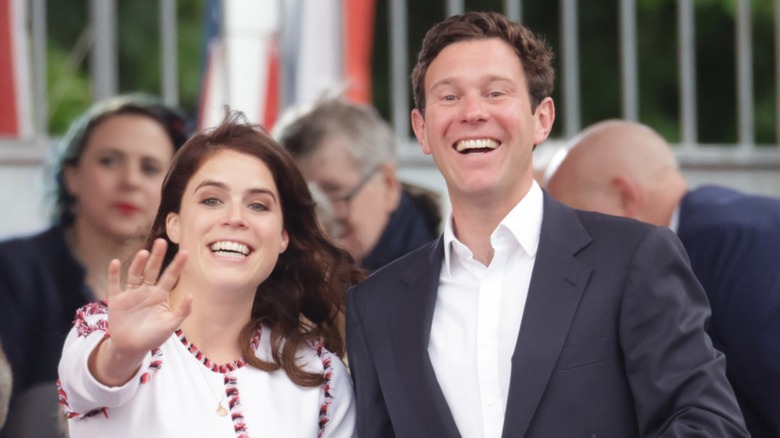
{"x": 703, "y": 73}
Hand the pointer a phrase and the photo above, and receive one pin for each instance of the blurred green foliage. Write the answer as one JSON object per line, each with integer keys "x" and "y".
{"x": 598, "y": 43}
{"x": 139, "y": 54}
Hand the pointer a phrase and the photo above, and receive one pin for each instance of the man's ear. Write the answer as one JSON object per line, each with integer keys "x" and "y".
{"x": 392, "y": 186}
{"x": 545, "y": 117}
{"x": 172, "y": 227}
{"x": 630, "y": 196}
{"x": 418, "y": 125}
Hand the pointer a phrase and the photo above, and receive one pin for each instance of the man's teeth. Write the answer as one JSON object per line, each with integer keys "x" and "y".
{"x": 482, "y": 143}
{"x": 230, "y": 249}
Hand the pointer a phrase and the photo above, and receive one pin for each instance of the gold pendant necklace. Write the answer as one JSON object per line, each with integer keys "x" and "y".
{"x": 221, "y": 410}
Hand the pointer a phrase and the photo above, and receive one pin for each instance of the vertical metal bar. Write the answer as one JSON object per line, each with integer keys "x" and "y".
{"x": 399, "y": 70}
{"x": 41, "y": 102}
{"x": 686, "y": 29}
{"x": 571, "y": 69}
{"x": 168, "y": 53}
{"x": 104, "y": 59}
{"x": 629, "y": 73}
{"x": 514, "y": 10}
{"x": 744, "y": 75}
{"x": 340, "y": 35}
{"x": 777, "y": 73}
{"x": 225, "y": 38}
{"x": 455, "y": 7}
{"x": 289, "y": 49}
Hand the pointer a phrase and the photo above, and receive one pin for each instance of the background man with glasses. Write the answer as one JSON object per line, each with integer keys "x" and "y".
{"x": 348, "y": 152}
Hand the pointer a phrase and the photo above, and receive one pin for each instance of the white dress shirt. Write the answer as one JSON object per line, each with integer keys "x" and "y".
{"x": 477, "y": 318}
{"x": 674, "y": 222}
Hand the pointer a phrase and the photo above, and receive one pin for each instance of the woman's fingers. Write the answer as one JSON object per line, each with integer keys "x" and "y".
{"x": 183, "y": 309}
{"x": 170, "y": 277}
{"x": 135, "y": 273}
{"x": 145, "y": 269}
{"x": 114, "y": 269}
{"x": 154, "y": 263}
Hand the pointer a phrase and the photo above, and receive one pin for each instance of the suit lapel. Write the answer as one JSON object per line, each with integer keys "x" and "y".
{"x": 557, "y": 283}
{"x": 411, "y": 325}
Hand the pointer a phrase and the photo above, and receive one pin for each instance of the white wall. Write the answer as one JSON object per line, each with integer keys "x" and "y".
{"x": 21, "y": 199}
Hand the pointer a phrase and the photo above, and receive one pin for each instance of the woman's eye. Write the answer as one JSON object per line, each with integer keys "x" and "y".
{"x": 210, "y": 202}
{"x": 257, "y": 206}
{"x": 151, "y": 169}
{"x": 109, "y": 161}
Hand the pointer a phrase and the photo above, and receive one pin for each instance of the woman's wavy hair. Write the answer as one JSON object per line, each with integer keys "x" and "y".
{"x": 302, "y": 299}
{"x": 69, "y": 150}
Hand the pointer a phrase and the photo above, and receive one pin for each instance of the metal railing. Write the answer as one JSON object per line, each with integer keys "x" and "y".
{"x": 691, "y": 153}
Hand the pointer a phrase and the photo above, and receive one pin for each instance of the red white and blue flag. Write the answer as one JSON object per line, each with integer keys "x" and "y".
{"x": 263, "y": 56}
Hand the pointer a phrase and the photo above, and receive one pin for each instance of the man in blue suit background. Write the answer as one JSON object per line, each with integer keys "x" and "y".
{"x": 732, "y": 239}
{"x": 526, "y": 318}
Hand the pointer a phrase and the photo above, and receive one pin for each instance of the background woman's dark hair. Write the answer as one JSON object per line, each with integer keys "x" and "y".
{"x": 70, "y": 149}
{"x": 302, "y": 299}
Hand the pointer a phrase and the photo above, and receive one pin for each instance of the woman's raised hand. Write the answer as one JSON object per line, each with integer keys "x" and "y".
{"x": 140, "y": 317}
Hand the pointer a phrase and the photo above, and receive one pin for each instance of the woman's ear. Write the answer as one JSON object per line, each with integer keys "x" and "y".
{"x": 172, "y": 227}
{"x": 285, "y": 241}
{"x": 69, "y": 180}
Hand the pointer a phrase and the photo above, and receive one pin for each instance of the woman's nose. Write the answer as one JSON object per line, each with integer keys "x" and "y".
{"x": 235, "y": 216}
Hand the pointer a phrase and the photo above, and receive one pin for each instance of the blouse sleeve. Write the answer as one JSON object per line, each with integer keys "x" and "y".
{"x": 337, "y": 415}
{"x": 81, "y": 395}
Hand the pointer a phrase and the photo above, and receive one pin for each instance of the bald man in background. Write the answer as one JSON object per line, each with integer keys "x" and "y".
{"x": 732, "y": 239}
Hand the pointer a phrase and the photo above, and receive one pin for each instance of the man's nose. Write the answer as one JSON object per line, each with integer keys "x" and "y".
{"x": 473, "y": 109}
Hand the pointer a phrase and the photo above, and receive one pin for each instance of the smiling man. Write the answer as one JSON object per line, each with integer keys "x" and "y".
{"x": 526, "y": 318}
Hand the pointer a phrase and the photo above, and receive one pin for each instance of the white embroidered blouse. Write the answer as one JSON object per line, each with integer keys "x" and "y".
{"x": 178, "y": 392}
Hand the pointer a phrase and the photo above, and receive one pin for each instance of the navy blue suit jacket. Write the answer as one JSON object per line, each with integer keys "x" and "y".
{"x": 41, "y": 287}
{"x": 733, "y": 241}
{"x": 612, "y": 341}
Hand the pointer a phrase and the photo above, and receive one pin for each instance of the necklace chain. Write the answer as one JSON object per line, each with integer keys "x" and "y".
{"x": 221, "y": 410}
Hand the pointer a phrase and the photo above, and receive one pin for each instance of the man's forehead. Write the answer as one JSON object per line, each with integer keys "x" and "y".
{"x": 474, "y": 48}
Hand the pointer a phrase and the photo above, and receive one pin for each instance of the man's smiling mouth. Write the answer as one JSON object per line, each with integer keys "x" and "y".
{"x": 476, "y": 145}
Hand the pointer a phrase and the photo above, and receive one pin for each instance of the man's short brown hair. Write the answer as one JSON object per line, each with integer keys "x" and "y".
{"x": 534, "y": 53}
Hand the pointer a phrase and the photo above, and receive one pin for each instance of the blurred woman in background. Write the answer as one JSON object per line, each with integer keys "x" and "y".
{"x": 108, "y": 170}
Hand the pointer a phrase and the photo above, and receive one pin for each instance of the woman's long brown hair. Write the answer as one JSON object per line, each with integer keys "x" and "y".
{"x": 302, "y": 299}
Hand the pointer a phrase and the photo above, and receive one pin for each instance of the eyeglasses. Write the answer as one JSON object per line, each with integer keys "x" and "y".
{"x": 346, "y": 198}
